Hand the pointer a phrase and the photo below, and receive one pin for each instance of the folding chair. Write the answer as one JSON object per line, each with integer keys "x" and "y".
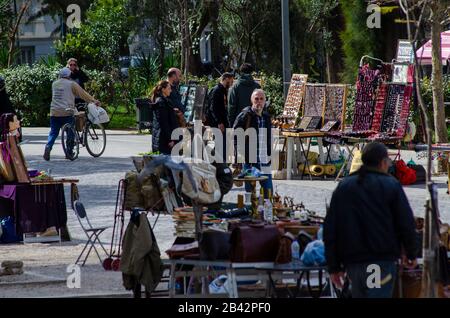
{"x": 91, "y": 232}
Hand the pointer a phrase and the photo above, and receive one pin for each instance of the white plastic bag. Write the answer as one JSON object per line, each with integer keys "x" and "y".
{"x": 102, "y": 116}
{"x": 221, "y": 285}
{"x": 93, "y": 113}
{"x": 97, "y": 115}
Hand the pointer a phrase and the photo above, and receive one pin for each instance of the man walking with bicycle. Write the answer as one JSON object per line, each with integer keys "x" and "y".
{"x": 62, "y": 108}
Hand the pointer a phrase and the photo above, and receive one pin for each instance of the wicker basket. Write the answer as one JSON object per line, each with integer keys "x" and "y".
{"x": 80, "y": 121}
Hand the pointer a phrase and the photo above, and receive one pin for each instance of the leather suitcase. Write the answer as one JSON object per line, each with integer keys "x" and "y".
{"x": 255, "y": 243}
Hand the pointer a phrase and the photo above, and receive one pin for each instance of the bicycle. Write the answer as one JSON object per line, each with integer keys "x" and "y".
{"x": 92, "y": 136}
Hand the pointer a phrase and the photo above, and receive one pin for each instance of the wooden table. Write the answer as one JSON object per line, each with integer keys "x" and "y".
{"x": 291, "y": 136}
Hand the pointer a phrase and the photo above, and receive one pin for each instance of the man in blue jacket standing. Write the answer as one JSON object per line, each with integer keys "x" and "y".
{"x": 368, "y": 227}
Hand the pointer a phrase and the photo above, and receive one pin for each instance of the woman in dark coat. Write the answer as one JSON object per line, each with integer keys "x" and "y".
{"x": 164, "y": 119}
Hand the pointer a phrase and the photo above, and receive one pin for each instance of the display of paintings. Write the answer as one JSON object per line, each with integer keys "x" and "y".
{"x": 315, "y": 123}
{"x": 335, "y": 105}
{"x": 405, "y": 51}
{"x": 330, "y": 125}
{"x": 199, "y": 103}
{"x": 295, "y": 96}
{"x": 314, "y": 100}
{"x": 193, "y": 97}
{"x": 304, "y": 123}
{"x": 183, "y": 92}
{"x": 400, "y": 75}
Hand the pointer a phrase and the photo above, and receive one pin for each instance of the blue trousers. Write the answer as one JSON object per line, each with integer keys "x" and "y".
{"x": 362, "y": 276}
{"x": 56, "y": 123}
{"x": 266, "y": 185}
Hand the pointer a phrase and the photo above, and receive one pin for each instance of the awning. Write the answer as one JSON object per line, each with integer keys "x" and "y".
{"x": 424, "y": 53}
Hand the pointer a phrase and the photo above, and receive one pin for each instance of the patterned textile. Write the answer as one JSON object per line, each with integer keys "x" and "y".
{"x": 404, "y": 113}
{"x": 379, "y": 107}
{"x": 392, "y": 108}
{"x": 366, "y": 87}
{"x": 314, "y": 100}
{"x": 335, "y": 103}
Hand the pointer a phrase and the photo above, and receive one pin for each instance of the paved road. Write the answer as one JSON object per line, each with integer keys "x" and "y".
{"x": 99, "y": 178}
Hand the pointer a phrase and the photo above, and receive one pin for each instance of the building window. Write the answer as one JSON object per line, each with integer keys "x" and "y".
{"x": 26, "y": 55}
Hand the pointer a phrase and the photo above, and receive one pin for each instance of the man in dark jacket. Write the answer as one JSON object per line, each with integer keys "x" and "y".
{"x": 368, "y": 224}
{"x": 217, "y": 113}
{"x": 256, "y": 118}
{"x": 174, "y": 76}
{"x": 78, "y": 76}
{"x": 240, "y": 93}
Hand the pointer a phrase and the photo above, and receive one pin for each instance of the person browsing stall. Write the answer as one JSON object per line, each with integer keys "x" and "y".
{"x": 369, "y": 223}
{"x": 62, "y": 107}
{"x": 254, "y": 117}
{"x": 164, "y": 119}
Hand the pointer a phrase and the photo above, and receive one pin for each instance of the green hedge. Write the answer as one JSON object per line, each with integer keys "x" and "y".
{"x": 30, "y": 89}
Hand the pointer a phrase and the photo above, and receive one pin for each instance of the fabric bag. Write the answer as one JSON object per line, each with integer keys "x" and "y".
{"x": 405, "y": 174}
{"x": 133, "y": 195}
{"x": 151, "y": 194}
{"x": 200, "y": 183}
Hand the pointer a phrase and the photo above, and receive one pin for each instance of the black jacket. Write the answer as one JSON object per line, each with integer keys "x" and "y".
{"x": 368, "y": 221}
{"x": 240, "y": 95}
{"x": 80, "y": 77}
{"x": 164, "y": 123}
{"x": 248, "y": 119}
{"x": 217, "y": 107}
{"x": 175, "y": 98}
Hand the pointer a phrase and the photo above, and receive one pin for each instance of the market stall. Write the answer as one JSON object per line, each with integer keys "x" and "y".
{"x": 33, "y": 206}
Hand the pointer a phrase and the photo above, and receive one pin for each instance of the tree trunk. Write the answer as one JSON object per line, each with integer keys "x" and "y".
{"x": 14, "y": 30}
{"x": 441, "y": 134}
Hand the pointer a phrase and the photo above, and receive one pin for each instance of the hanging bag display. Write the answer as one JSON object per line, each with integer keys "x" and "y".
{"x": 202, "y": 185}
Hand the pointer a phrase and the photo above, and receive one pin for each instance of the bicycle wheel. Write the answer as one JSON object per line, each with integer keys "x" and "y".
{"x": 95, "y": 139}
{"x": 70, "y": 143}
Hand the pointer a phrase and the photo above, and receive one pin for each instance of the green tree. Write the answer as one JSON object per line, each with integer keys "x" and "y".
{"x": 358, "y": 39}
{"x": 101, "y": 39}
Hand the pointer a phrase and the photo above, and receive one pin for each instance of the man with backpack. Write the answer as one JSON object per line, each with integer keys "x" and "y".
{"x": 217, "y": 113}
